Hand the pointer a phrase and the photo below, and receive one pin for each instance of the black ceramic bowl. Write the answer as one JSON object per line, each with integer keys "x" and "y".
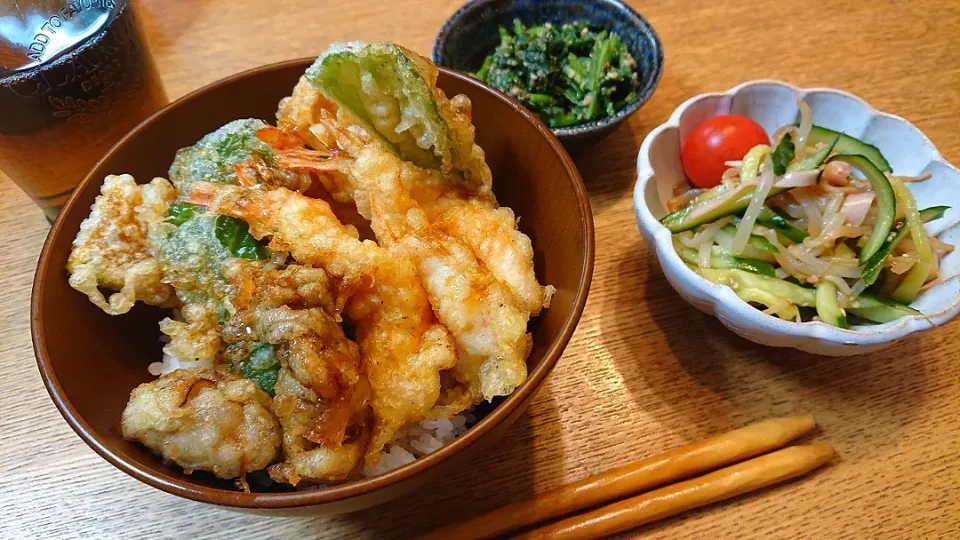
{"x": 471, "y": 34}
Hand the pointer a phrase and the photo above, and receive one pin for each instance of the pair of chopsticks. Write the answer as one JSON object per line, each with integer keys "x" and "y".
{"x": 654, "y": 472}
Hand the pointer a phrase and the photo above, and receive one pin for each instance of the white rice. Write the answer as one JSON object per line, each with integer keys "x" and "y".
{"x": 171, "y": 363}
{"x": 418, "y": 440}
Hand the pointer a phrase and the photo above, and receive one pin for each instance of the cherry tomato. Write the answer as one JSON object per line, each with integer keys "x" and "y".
{"x": 722, "y": 138}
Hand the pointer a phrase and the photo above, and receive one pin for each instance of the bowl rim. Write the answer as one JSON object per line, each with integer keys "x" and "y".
{"x": 644, "y": 27}
{"x": 661, "y": 237}
{"x": 176, "y": 484}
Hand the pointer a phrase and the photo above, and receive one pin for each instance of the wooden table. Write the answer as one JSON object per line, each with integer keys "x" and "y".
{"x": 645, "y": 372}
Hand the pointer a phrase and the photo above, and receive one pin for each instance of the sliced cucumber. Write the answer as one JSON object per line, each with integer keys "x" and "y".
{"x": 773, "y": 287}
{"x": 776, "y": 222}
{"x": 879, "y": 310}
{"x": 886, "y": 202}
{"x": 933, "y": 213}
{"x": 814, "y": 160}
{"x": 713, "y": 209}
{"x": 873, "y": 266}
{"x": 828, "y": 309}
{"x": 768, "y": 290}
{"x": 757, "y": 247}
{"x": 846, "y": 144}
{"x": 721, "y": 258}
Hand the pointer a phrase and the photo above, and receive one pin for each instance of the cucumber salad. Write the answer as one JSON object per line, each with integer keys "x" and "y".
{"x": 812, "y": 225}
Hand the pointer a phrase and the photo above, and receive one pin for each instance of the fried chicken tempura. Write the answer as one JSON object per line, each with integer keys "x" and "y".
{"x": 391, "y": 308}
{"x": 205, "y": 420}
{"x": 111, "y": 252}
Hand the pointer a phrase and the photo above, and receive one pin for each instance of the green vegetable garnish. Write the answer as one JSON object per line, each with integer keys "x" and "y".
{"x": 392, "y": 92}
{"x": 766, "y": 290}
{"x": 721, "y": 258}
{"x": 180, "y": 212}
{"x": 828, "y": 309}
{"x": 777, "y": 222}
{"x": 886, "y": 202}
{"x": 257, "y": 362}
{"x": 234, "y": 234}
{"x": 193, "y": 252}
{"x": 783, "y": 155}
{"x": 214, "y": 157}
{"x": 568, "y": 74}
{"x": 873, "y": 266}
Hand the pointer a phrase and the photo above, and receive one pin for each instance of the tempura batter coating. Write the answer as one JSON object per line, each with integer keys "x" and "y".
{"x": 111, "y": 252}
{"x": 476, "y": 308}
{"x": 488, "y": 317}
{"x": 467, "y": 211}
{"x": 307, "y": 458}
{"x": 391, "y": 308}
{"x": 253, "y": 285}
{"x": 491, "y": 234}
{"x": 194, "y": 339}
{"x": 304, "y": 106}
{"x": 204, "y": 420}
{"x": 322, "y": 398}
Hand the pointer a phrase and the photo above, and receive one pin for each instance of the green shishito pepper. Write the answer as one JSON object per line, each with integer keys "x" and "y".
{"x": 567, "y": 74}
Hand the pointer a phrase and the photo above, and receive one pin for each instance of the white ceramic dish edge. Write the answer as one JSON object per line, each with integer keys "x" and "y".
{"x": 838, "y": 110}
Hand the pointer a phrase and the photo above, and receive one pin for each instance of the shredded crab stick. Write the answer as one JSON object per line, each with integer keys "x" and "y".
{"x": 814, "y": 220}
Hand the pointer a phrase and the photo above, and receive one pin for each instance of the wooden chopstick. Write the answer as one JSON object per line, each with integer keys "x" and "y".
{"x": 647, "y": 473}
{"x": 735, "y": 480}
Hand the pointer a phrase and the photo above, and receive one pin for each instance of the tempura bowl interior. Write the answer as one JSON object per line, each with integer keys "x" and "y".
{"x": 91, "y": 361}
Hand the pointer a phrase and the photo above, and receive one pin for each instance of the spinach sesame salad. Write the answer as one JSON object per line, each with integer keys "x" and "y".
{"x": 568, "y": 74}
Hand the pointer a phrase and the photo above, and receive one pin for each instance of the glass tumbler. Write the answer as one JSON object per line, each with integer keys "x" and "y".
{"x": 75, "y": 76}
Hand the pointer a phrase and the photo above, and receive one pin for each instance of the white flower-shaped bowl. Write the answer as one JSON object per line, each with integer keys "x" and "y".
{"x": 773, "y": 104}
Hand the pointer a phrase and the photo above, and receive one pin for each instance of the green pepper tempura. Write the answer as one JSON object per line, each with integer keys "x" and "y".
{"x": 569, "y": 74}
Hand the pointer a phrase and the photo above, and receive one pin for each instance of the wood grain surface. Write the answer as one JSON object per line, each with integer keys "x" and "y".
{"x": 645, "y": 372}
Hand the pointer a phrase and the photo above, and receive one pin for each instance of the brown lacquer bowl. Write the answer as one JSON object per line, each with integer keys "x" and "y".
{"x": 91, "y": 361}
